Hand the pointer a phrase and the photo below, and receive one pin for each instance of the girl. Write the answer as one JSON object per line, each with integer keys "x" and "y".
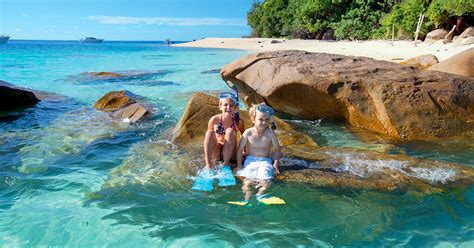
{"x": 220, "y": 143}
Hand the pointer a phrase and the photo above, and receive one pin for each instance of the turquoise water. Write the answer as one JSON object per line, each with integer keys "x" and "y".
{"x": 70, "y": 177}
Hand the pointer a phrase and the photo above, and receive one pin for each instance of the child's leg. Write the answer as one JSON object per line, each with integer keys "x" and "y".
{"x": 263, "y": 185}
{"x": 246, "y": 188}
{"x": 211, "y": 148}
{"x": 229, "y": 144}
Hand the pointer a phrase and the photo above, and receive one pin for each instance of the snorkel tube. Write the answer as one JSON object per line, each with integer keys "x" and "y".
{"x": 236, "y": 113}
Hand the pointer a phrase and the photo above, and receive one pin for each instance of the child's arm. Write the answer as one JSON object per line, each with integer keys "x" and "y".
{"x": 241, "y": 127}
{"x": 277, "y": 154}
{"x": 240, "y": 149}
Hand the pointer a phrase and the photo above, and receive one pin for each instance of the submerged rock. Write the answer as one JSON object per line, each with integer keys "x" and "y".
{"x": 350, "y": 168}
{"x": 382, "y": 96}
{"x": 14, "y": 97}
{"x": 115, "y": 100}
{"x": 124, "y": 105}
{"x": 104, "y": 74}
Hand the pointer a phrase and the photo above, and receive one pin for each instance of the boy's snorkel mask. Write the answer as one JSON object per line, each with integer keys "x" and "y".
{"x": 235, "y": 98}
{"x": 263, "y": 108}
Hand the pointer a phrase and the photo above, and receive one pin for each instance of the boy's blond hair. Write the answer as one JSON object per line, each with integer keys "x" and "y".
{"x": 253, "y": 111}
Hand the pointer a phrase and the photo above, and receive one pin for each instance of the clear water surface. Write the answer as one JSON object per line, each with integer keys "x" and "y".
{"x": 70, "y": 177}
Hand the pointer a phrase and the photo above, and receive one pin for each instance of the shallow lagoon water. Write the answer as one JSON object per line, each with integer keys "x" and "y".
{"x": 70, "y": 177}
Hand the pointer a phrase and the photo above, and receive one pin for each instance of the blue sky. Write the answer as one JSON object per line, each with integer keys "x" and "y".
{"x": 124, "y": 20}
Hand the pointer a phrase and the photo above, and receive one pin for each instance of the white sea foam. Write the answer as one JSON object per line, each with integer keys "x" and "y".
{"x": 434, "y": 175}
{"x": 293, "y": 162}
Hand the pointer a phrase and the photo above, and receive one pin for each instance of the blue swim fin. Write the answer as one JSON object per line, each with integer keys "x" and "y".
{"x": 226, "y": 178}
{"x": 204, "y": 181}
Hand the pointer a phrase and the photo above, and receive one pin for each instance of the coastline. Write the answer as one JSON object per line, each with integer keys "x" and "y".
{"x": 377, "y": 49}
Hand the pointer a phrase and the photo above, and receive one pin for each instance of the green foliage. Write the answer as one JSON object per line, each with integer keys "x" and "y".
{"x": 360, "y": 21}
{"x": 439, "y": 11}
{"x": 317, "y": 15}
{"x": 404, "y": 18}
{"x": 270, "y": 18}
{"x": 353, "y": 19}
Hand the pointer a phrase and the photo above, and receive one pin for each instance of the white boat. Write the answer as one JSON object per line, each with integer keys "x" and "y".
{"x": 4, "y": 38}
{"x": 91, "y": 40}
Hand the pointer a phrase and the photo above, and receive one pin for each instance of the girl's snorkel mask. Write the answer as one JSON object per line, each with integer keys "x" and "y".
{"x": 263, "y": 108}
{"x": 235, "y": 98}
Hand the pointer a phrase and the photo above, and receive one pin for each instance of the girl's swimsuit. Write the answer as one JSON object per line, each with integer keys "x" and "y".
{"x": 221, "y": 131}
{"x": 220, "y": 127}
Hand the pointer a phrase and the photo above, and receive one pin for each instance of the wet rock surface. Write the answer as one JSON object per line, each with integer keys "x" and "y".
{"x": 123, "y": 105}
{"x": 14, "y": 97}
{"x": 400, "y": 101}
{"x": 306, "y": 162}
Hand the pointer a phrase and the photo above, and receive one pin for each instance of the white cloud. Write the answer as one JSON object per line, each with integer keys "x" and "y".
{"x": 124, "y": 20}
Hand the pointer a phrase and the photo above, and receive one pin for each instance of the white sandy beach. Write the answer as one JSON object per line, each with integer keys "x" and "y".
{"x": 377, "y": 49}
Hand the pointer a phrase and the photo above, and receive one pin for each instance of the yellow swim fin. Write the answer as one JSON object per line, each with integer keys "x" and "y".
{"x": 239, "y": 203}
{"x": 272, "y": 200}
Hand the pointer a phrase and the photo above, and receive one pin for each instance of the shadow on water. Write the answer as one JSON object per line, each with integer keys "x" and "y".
{"x": 147, "y": 78}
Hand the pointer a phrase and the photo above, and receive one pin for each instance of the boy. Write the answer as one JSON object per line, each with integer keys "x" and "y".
{"x": 258, "y": 167}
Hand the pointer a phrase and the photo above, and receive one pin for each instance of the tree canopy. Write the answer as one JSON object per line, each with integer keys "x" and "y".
{"x": 356, "y": 19}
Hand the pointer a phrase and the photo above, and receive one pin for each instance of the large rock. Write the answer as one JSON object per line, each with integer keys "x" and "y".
{"x": 303, "y": 162}
{"x": 460, "y": 64}
{"x": 115, "y": 100}
{"x": 192, "y": 126}
{"x": 465, "y": 38}
{"x": 421, "y": 62}
{"x": 437, "y": 34}
{"x": 400, "y": 101}
{"x": 13, "y": 97}
{"x": 123, "y": 105}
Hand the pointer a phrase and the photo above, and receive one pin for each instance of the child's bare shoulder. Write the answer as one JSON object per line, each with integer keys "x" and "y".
{"x": 270, "y": 133}
{"x": 214, "y": 118}
{"x": 247, "y": 132}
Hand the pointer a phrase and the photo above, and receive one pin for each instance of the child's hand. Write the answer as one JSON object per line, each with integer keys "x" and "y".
{"x": 276, "y": 171}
